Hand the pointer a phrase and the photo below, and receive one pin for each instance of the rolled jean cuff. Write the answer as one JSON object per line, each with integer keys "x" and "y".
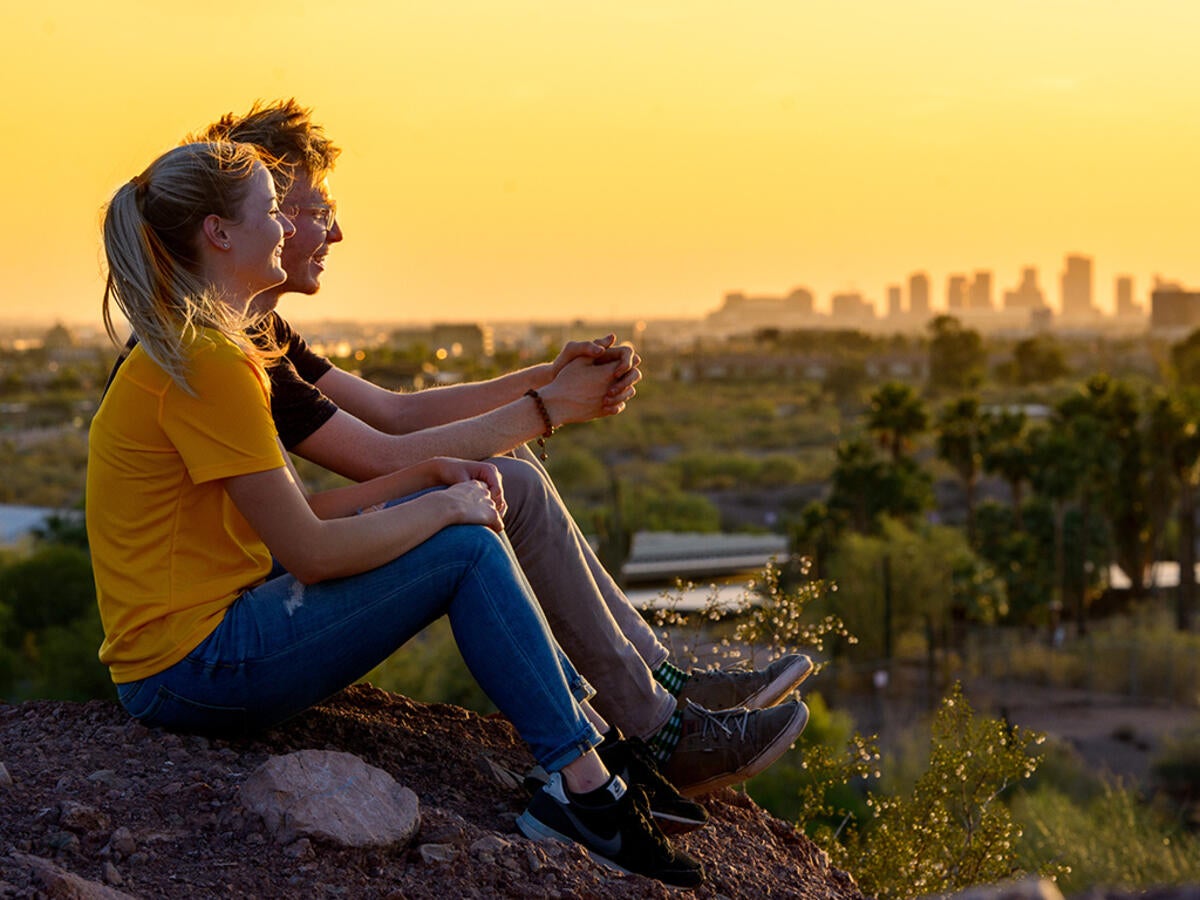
{"x": 581, "y": 690}
{"x": 586, "y": 739}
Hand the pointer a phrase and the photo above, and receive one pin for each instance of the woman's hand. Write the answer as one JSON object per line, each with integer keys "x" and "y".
{"x": 447, "y": 470}
{"x": 471, "y": 503}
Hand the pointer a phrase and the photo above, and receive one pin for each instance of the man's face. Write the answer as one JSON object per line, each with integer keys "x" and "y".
{"x": 310, "y": 208}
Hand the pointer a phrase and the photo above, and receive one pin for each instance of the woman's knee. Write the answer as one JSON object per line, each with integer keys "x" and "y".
{"x": 468, "y": 542}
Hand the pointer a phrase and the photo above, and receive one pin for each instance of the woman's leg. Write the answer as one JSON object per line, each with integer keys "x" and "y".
{"x": 284, "y": 646}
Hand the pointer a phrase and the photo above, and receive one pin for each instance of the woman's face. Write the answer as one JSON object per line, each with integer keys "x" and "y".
{"x": 256, "y": 239}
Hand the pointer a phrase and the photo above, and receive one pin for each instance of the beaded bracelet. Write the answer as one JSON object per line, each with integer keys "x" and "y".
{"x": 550, "y": 429}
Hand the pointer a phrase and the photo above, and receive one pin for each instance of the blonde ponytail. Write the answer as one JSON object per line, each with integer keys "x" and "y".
{"x": 151, "y": 233}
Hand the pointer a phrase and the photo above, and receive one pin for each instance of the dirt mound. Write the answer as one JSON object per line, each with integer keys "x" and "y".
{"x": 152, "y": 814}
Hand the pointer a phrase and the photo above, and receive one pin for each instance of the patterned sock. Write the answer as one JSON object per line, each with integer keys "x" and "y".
{"x": 670, "y": 676}
{"x": 663, "y": 742}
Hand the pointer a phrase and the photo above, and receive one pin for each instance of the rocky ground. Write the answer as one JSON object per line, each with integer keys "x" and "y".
{"x": 132, "y": 811}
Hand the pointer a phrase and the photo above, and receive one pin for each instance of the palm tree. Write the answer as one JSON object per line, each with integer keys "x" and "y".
{"x": 1175, "y": 439}
{"x": 896, "y": 416}
{"x": 1006, "y": 452}
{"x": 1055, "y": 477}
{"x": 960, "y": 443}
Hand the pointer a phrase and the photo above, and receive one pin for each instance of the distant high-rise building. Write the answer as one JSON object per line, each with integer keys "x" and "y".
{"x": 799, "y": 302}
{"x": 956, "y": 292}
{"x": 918, "y": 294}
{"x": 1077, "y": 288}
{"x": 893, "y": 301}
{"x": 1174, "y": 309}
{"x": 851, "y": 306}
{"x": 980, "y": 295}
{"x": 1027, "y": 295}
{"x": 1125, "y": 305}
{"x": 742, "y": 313}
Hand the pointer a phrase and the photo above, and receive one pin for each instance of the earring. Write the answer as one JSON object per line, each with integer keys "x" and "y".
{"x": 225, "y": 245}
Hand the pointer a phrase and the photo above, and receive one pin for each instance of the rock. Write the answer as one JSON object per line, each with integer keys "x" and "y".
{"x": 301, "y": 849}
{"x": 332, "y": 796}
{"x": 111, "y": 875}
{"x": 107, "y": 777}
{"x": 62, "y": 885}
{"x": 80, "y": 818}
{"x": 121, "y": 842}
{"x": 487, "y": 847}
{"x": 437, "y": 853}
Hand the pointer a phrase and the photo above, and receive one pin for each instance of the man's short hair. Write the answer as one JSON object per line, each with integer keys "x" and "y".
{"x": 285, "y": 130}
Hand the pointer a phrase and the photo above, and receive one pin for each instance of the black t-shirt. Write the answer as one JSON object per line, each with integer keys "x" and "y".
{"x": 297, "y": 406}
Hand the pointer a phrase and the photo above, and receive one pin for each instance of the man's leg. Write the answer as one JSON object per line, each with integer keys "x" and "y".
{"x": 627, "y": 617}
{"x": 544, "y": 521}
{"x": 555, "y": 558}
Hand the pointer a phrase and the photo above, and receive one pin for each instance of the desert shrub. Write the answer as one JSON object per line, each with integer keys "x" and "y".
{"x": 819, "y": 782}
{"x": 1114, "y": 840}
{"x": 1141, "y": 656}
{"x": 67, "y": 666}
{"x": 1176, "y": 771}
{"x": 953, "y": 830}
{"x": 51, "y": 586}
{"x": 767, "y": 620}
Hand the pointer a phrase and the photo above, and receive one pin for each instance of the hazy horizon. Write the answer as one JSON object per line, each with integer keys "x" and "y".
{"x": 544, "y": 161}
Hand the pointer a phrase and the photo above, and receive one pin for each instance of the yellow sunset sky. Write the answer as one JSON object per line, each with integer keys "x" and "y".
{"x": 545, "y": 160}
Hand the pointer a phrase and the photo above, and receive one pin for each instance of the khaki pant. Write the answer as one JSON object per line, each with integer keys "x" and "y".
{"x": 607, "y": 640}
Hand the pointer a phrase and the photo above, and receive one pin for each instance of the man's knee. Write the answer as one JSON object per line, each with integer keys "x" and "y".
{"x": 523, "y": 483}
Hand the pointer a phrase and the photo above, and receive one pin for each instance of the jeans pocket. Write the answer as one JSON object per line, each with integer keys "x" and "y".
{"x": 134, "y": 696}
{"x": 167, "y": 709}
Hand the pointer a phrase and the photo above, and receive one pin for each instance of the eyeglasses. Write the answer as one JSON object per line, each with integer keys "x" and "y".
{"x": 324, "y": 214}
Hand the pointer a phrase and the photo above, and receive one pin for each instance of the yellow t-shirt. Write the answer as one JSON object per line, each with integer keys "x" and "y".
{"x": 170, "y": 551}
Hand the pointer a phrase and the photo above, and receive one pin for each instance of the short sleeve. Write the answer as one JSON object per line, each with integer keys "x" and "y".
{"x": 225, "y": 429}
{"x": 309, "y": 365}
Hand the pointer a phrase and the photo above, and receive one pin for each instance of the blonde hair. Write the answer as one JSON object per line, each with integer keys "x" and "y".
{"x": 152, "y": 231}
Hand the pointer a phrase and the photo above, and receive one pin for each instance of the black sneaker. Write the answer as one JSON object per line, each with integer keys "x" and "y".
{"x": 620, "y": 833}
{"x": 632, "y": 760}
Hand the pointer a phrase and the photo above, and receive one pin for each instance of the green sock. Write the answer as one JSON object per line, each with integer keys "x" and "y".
{"x": 663, "y": 742}
{"x": 669, "y": 676}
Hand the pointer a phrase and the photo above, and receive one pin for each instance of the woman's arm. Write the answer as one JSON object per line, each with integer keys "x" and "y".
{"x": 315, "y": 549}
{"x": 356, "y": 498}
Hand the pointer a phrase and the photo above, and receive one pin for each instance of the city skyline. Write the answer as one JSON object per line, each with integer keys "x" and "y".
{"x": 536, "y": 160}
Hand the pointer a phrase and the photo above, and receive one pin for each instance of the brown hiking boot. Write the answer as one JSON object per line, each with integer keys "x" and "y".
{"x": 716, "y": 749}
{"x": 752, "y": 688}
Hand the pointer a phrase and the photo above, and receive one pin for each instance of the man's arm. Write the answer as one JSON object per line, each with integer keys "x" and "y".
{"x": 352, "y": 447}
{"x": 394, "y": 413}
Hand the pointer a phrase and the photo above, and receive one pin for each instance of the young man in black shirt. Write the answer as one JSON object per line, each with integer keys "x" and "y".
{"x": 707, "y": 729}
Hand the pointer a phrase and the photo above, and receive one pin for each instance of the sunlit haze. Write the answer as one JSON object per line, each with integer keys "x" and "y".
{"x": 544, "y": 160}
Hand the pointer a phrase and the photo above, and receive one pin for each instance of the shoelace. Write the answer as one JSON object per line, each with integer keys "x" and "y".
{"x": 738, "y": 719}
{"x": 635, "y": 809}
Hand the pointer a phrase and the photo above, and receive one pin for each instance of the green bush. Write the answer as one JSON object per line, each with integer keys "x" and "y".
{"x": 67, "y": 665}
{"x": 954, "y": 830}
{"x": 1115, "y": 840}
{"x": 819, "y": 781}
{"x": 1176, "y": 771}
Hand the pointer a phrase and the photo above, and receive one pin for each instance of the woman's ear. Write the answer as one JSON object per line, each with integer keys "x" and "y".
{"x": 214, "y": 231}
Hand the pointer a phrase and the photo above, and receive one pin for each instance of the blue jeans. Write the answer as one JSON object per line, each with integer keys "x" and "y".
{"x": 283, "y": 646}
